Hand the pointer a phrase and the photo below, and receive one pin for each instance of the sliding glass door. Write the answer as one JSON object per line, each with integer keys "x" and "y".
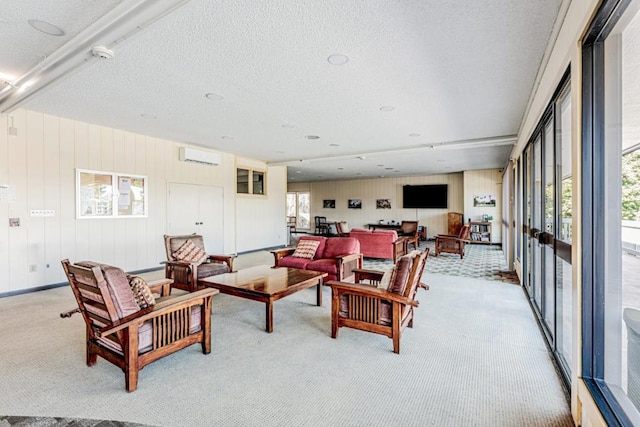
{"x": 547, "y": 236}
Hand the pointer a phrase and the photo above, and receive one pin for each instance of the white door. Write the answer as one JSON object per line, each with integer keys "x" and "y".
{"x": 197, "y": 209}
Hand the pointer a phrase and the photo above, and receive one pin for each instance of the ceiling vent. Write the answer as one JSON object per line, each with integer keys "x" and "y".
{"x": 199, "y": 156}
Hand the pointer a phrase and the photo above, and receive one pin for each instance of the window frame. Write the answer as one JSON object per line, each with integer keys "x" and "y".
{"x": 592, "y": 230}
{"x": 252, "y": 173}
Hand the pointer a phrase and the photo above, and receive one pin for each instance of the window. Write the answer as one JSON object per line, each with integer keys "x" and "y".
{"x": 298, "y": 205}
{"x": 110, "y": 195}
{"x": 611, "y": 223}
{"x": 250, "y": 181}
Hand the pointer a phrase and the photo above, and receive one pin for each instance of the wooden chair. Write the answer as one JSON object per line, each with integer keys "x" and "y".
{"x": 366, "y": 307}
{"x": 322, "y": 226}
{"x": 119, "y": 331}
{"x": 185, "y": 274}
{"x": 409, "y": 230}
{"x": 453, "y": 244}
{"x": 292, "y": 224}
{"x": 342, "y": 228}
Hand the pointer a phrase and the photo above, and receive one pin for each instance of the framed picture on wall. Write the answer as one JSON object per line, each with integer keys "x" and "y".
{"x": 355, "y": 204}
{"x": 383, "y": 204}
{"x": 486, "y": 200}
{"x": 329, "y": 204}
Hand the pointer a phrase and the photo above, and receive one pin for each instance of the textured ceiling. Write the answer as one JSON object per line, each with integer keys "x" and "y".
{"x": 456, "y": 72}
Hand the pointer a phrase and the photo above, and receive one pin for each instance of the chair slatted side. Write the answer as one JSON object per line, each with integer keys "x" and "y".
{"x": 171, "y": 327}
{"x": 182, "y": 274}
{"x": 364, "y": 309}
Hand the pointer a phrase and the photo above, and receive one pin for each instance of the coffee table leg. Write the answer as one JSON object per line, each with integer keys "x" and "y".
{"x": 269, "y": 315}
{"x": 319, "y": 290}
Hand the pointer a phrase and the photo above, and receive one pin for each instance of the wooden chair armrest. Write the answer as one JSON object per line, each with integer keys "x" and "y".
{"x": 167, "y": 305}
{"x": 369, "y": 291}
{"x": 160, "y": 286}
{"x": 349, "y": 257}
{"x": 180, "y": 263}
{"x": 362, "y": 274}
{"x": 228, "y": 259}
{"x": 281, "y": 253}
{"x": 445, "y": 236}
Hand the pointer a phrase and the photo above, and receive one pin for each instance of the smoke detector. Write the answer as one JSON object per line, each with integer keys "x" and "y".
{"x": 102, "y": 52}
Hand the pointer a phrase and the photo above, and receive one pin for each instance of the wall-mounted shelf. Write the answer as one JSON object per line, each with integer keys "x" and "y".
{"x": 480, "y": 232}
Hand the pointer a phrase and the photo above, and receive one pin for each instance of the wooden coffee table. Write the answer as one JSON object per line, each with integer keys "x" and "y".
{"x": 266, "y": 284}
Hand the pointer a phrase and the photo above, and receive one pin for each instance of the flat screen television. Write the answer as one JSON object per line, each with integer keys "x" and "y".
{"x": 432, "y": 196}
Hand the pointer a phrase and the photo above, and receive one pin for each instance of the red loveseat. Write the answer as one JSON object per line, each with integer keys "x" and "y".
{"x": 379, "y": 243}
{"x": 337, "y": 256}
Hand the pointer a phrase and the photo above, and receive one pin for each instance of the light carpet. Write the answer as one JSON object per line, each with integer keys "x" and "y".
{"x": 474, "y": 357}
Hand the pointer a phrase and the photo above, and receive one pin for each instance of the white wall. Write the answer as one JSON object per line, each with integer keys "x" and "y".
{"x": 39, "y": 165}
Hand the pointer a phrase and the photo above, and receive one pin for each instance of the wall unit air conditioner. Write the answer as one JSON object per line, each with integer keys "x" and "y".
{"x": 199, "y": 156}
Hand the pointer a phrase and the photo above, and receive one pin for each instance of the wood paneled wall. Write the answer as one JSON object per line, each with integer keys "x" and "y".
{"x": 462, "y": 187}
{"x": 369, "y": 190}
{"x": 39, "y": 164}
{"x": 479, "y": 183}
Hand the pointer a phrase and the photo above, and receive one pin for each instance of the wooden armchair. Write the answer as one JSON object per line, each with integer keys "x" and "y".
{"x": 186, "y": 272}
{"x": 409, "y": 230}
{"x": 342, "y": 228}
{"x": 453, "y": 244}
{"x": 128, "y": 336}
{"x": 381, "y": 310}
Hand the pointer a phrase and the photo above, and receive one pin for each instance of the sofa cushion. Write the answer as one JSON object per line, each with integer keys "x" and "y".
{"x": 293, "y": 262}
{"x": 207, "y": 269}
{"x": 401, "y": 275}
{"x": 336, "y": 246}
{"x": 190, "y": 252}
{"x": 141, "y": 292}
{"x": 119, "y": 289}
{"x": 325, "y": 265}
{"x": 306, "y": 249}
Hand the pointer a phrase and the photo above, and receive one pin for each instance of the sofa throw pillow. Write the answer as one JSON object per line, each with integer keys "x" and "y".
{"x": 190, "y": 252}
{"x": 141, "y": 292}
{"x": 306, "y": 249}
{"x": 386, "y": 279}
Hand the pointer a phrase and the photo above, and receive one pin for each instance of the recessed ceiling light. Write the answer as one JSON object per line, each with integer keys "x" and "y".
{"x": 45, "y": 27}
{"x": 340, "y": 169}
{"x": 389, "y": 169}
{"x": 226, "y": 137}
{"x": 358, "y": 173}
{"x": 287, "y": 126}
{"x": 381, "y": 166}
{"x": 312, "y": 137}
{"x": 214, "y": 96}
{"x": 334, "y": 145}
{"x": 413, "y": 135}
{"x": 387, "y": 108}
{"x": 148, "y": 116}
{"x": 381, "y": 176}
{"x": 338, "y": 59}
{"x": 298, "y": 171}
{"x": 362, "y": 157}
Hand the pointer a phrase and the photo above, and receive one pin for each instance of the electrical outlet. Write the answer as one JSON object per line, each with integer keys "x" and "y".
{"x": 33, "y": 268}
{"x": 42, "y": 212}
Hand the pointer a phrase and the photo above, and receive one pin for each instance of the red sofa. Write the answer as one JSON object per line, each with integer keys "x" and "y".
{"x": 337, "y": 256}
{"x": 379, "y": 243}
